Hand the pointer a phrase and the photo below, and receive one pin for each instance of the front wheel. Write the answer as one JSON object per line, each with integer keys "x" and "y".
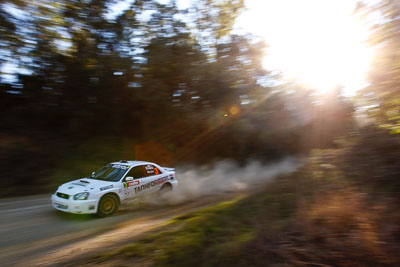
{"x": 108, "y": 205}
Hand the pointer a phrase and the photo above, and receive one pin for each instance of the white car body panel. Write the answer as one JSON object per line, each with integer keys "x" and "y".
{"x": 63, "y": 198}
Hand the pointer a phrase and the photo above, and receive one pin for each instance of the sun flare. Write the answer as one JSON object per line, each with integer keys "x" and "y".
{"x": 317, "y": 42}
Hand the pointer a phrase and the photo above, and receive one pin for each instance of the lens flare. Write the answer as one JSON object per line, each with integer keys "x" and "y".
{"x": 319, "y": 43}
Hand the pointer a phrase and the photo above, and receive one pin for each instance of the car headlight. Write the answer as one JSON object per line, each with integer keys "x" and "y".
{"x": 81, "y": 196}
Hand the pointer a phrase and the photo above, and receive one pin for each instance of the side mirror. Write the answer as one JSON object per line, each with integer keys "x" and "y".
{"x": 129, "y": 179}
{"x": 93, "y": 173}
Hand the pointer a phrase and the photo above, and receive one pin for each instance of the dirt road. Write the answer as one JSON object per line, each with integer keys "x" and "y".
{"x": 32, "y": 233}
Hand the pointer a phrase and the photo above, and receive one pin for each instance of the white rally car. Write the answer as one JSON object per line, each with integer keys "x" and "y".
{"x": 106, "y": 189}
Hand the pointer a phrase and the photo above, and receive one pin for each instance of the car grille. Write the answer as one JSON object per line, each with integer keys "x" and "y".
{"x": 62, "y": 195}
{"x": 61, "y": 206}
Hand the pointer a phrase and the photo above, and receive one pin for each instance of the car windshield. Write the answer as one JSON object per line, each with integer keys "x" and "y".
{"x": 110, "y": 172}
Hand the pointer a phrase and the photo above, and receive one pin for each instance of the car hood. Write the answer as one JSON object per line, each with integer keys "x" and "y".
{"x": 83, "y": 185}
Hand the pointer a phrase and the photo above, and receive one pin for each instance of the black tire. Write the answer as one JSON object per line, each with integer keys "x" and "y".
{"x": 165, "y": 188}
{"x": 108, "y": 205}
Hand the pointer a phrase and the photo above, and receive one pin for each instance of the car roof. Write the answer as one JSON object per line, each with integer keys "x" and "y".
{"x": 131, "y": 163}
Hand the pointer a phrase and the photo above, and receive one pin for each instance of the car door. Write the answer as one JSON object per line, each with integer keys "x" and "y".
{"x": 146, "y": 179}
{"x": 154, "y": 176}
{"x": 132, "y": 188}
{"x": 157, "y": 177}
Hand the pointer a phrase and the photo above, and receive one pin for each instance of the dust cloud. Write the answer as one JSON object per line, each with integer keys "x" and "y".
{"x": 225, "y": 177}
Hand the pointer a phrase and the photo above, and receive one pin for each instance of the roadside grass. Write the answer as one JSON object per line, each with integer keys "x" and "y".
{"x": 314, "y": 217}
{"x": 216, "y": 235}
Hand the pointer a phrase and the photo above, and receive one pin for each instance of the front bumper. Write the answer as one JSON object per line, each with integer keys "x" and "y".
{"x": 74, "y": 206}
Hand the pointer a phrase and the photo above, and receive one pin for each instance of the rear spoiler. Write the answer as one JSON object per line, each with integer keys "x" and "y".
{"x": 169, "y": 169}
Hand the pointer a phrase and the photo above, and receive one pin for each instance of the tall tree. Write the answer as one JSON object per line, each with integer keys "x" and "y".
{"x": 383, "y": 93}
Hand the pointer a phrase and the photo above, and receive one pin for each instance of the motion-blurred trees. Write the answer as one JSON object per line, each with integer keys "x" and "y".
{"x": 383, "y": 94}
{"x": 152, "y": 74}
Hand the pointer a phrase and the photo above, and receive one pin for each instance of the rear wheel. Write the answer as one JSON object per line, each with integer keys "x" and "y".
{"x": 108, "y": 205}
{"x": 165, "y": 188}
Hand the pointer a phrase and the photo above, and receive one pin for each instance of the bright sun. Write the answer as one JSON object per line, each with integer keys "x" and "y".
{"x": 317, "y": 42}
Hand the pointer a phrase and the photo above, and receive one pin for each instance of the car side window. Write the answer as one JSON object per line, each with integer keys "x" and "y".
{"x": 137, "y": 172}
{"x": 151, "y": 170}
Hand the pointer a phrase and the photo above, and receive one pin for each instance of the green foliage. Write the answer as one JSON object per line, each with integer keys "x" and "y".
{"x": 369, "y": 159}
{"x": 383, "y": 93}
{"x": 212, "y": 236}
